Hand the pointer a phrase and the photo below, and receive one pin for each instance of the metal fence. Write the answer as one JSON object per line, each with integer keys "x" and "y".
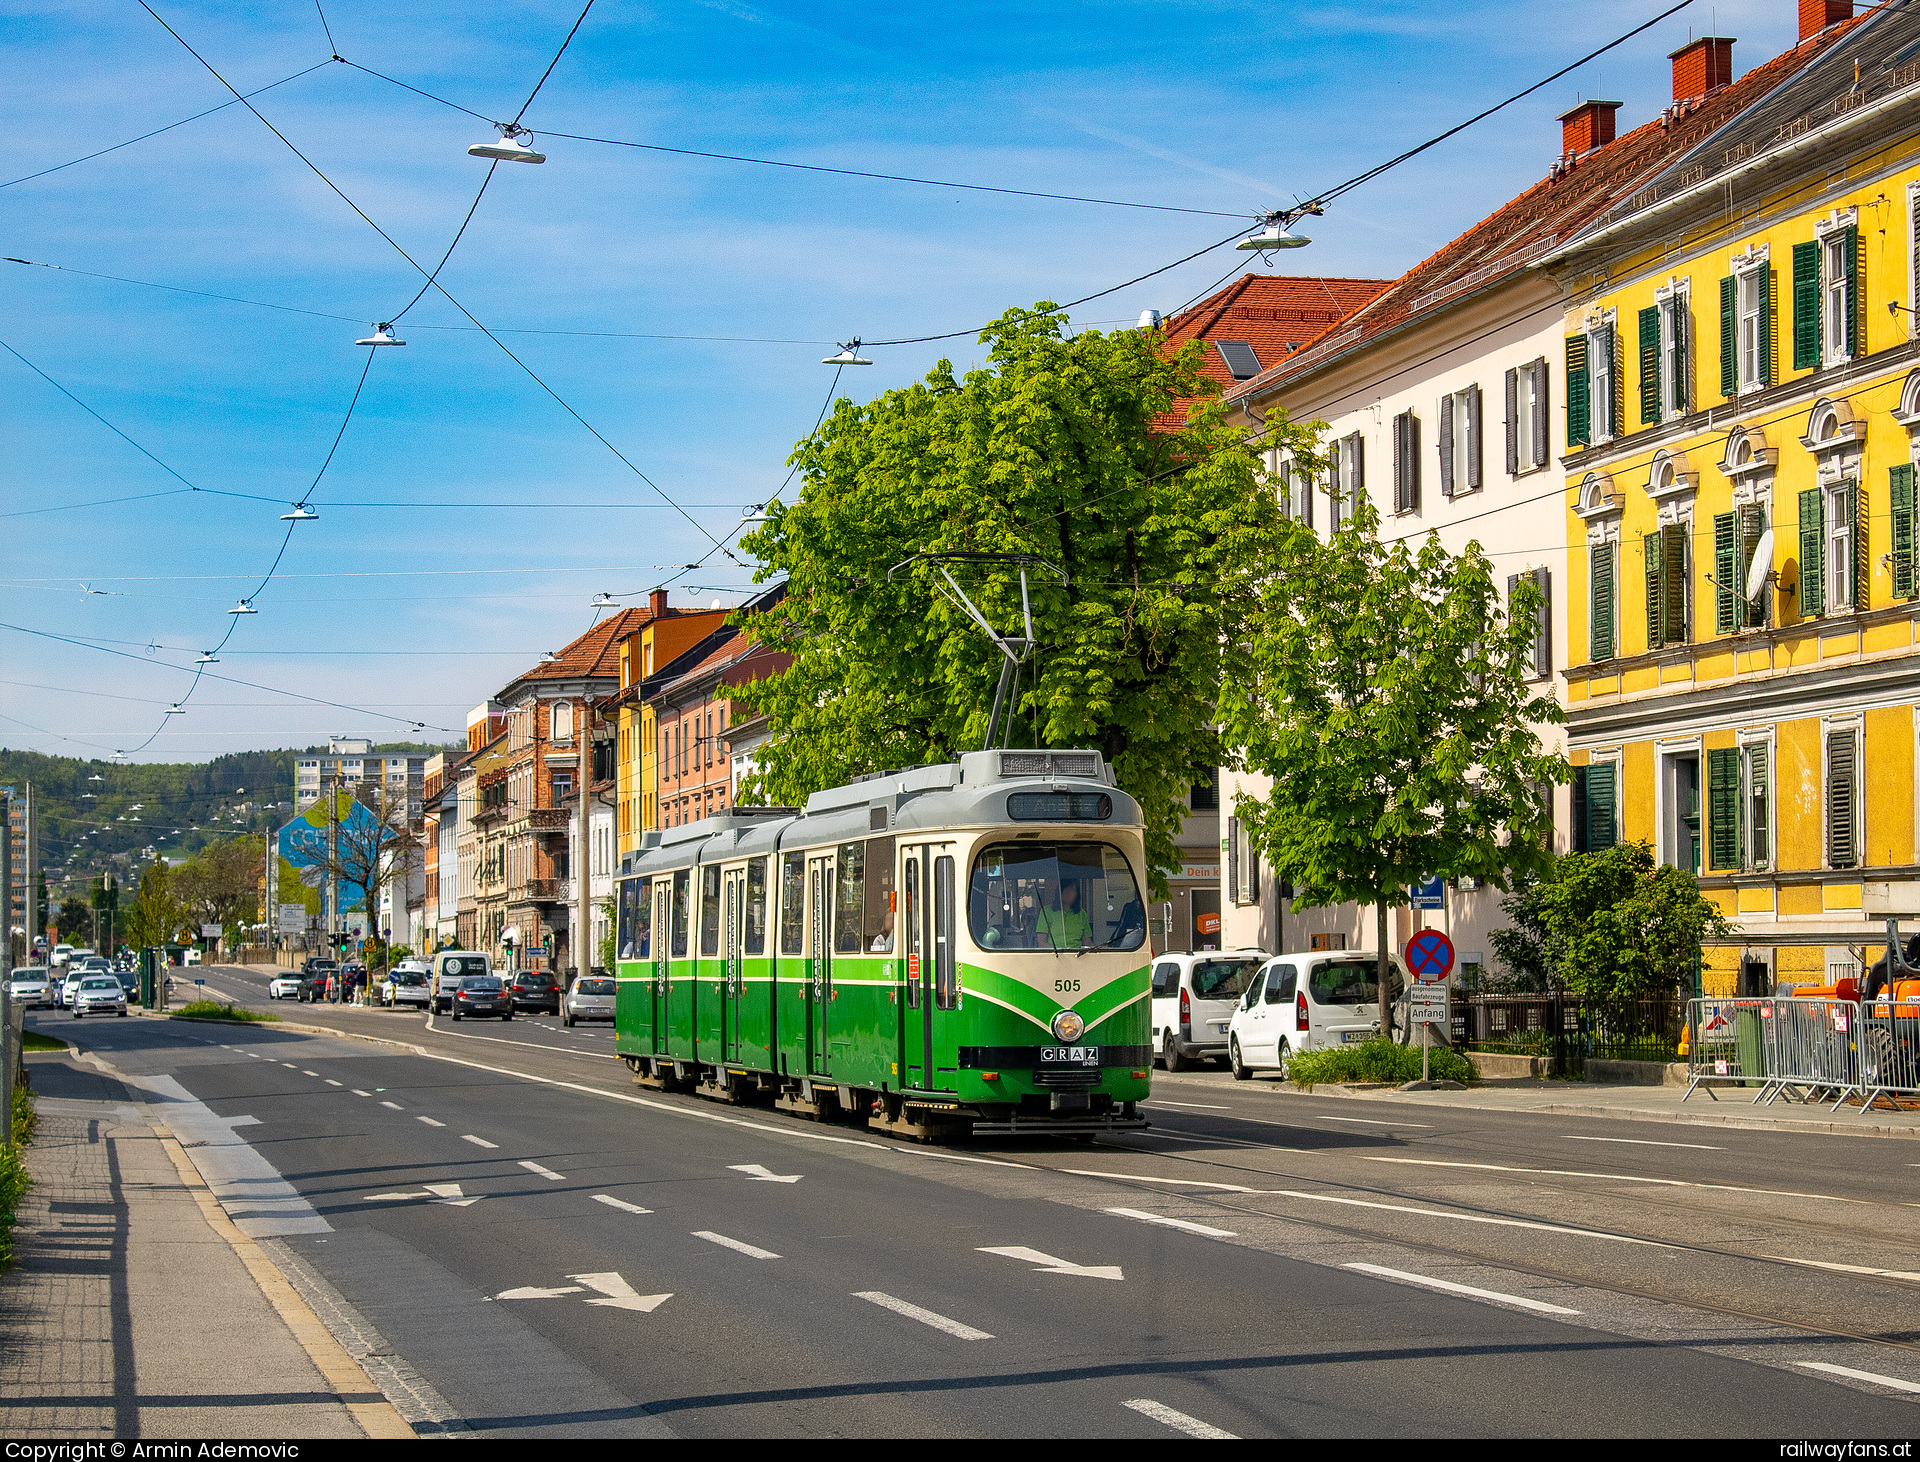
{"x": 1889, "y": 1045}
{"x": 1568, "y": 1033}
{"x": 1804, "y": 1048}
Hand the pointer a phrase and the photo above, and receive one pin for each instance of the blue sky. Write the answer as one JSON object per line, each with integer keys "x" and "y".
{"x": 410, "y": 612}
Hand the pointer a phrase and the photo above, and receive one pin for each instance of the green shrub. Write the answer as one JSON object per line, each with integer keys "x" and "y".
{"x": 14, "y": 1179}
{"x": 214, "y": 1010}
{"x": 1375, "y": 1060}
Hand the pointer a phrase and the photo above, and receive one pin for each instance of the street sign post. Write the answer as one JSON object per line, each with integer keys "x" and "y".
{"x": 1429, "y": 956}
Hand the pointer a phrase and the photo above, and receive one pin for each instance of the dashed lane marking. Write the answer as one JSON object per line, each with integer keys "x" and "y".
{"x": 619, "y": 1203}
{"x": 737, "y": 1245}
{"x": 1142, "y": 1178}
{"x": 1642, "y": 1142}
{"x": 1551, "y": 1228}
{"x": 430, "y": 1122}
{"x": 1179, "y": 1421}
{"x": 477, "y": 1141}
{"x": 534, "y": 1167}
{"x": 309, "y": 1073}
{"x": 1911, "y": 1278}
{"x": 925, "y": 1317}
{"x": 1428, "y": 1282}
{"x": 330, "y": 1081}
{"x": 1848, "y": 1371}
{"x": 395, "y": 1106}
{"x": 357, "y": 1092}
{"x": 1197, "y": 1106}
{"x": 1179, "y": 1223}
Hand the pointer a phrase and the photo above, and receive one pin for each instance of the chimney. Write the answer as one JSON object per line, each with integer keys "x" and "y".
{"x": 1701, "y": 65}
{"x": 1586, "y": 127}
{"x": 1817, "y": 15}
{"x": 657, "y": 604}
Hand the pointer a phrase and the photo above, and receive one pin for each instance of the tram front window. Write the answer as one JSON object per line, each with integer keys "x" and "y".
{"x": 1043, "y": 896}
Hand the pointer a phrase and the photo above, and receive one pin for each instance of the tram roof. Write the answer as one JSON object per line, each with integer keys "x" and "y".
{"x": 970, "y": 792}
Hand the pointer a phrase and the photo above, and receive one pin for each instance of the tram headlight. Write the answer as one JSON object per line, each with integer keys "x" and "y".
{"x": 1068, "y": 1026}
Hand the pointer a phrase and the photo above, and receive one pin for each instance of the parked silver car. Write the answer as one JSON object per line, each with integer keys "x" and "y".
{"x": 589, "y": 999}
{"x": 99, "y": 995}
{"x": 31, "y": 987}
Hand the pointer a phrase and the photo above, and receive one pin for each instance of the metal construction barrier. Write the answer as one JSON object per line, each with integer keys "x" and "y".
{"x": 1779, "y": 1046}
{"x": 1725, "y": 1043}
{"x": 1889, "y": 1044}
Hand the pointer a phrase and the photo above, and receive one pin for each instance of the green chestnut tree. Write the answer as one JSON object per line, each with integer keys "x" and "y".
{"x": 1071, "y": 447}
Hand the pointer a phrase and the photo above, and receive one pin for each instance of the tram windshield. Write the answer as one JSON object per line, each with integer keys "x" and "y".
{"x": 1044, "y": 896}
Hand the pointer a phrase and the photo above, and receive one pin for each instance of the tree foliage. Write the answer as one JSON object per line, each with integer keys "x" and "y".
{"x": 1065, "y": 446}
{"x": 220, "y": 884}
{"x": 157, "y": 913}
{"x": 1388, "y": 696}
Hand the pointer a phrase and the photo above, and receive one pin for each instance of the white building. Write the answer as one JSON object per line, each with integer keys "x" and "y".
{"x": 350, "y": 761}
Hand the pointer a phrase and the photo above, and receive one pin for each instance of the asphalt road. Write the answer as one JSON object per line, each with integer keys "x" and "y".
{"x": 618, "y": 1262}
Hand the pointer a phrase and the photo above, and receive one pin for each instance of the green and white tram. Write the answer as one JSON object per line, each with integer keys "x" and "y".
{"x": 950, "y": 947}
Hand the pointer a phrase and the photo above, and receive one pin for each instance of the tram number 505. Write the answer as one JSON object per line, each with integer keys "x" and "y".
{"x": 1066, "y": 987}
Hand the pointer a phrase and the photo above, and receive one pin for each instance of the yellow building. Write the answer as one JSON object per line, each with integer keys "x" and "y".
{"x": 666, "y": 634}
{"x": 1742, "y": 416}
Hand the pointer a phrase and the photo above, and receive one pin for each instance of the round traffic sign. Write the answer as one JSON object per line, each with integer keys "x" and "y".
{"x": 1429, "y": 956}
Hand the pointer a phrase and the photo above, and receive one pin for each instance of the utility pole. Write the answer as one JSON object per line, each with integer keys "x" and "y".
{"x": 9, "y": 1047}
{"x": 582, "y": 857}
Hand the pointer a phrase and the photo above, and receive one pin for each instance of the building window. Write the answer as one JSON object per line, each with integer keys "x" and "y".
{"x": 1843, "y": 545}
{"x": 1735, "y": 536}
{"x": 1839, "y": 253}
{"x": 562, "y": 721}
{"x": 1746, "y": 326}
{"x": 1527, "y": 444}
{"x": 1843, "y": 798}
{"x": 1757, "y": 805}
{"x": 1460, "y": 442}
{"x": 1349, "y": 478}
{"x": 1406, "y": 463}
{"x": 562, "y": 787}
{"x": 1595, "y": 825}
{"x": 1600, "y": 600}
{"x": 1542, "y": 580}
{"x": 1904, "y": 568}
{"x": 1668, "y": 581}
{"x": 1663, "y": 359}
{"x": 1205, "y": 793}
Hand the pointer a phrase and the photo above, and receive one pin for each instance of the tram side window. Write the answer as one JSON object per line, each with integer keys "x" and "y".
{"x": 849, "y": 914}
{"x": 910, "y": 925}
{"x": 1046, "y": 896}
{"x": 757, "y": 906}
{"x": 793, "y": 904}
{"x": 881, "y": 913}
{"x": 946, "y": 968}
{"x": 710, "y": 909}
{"x": 636, "y": 919}
{"x": 682, "y": 890}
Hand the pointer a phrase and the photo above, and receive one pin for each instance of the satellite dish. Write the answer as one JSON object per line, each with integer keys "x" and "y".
{"x": 1762, "y": 565}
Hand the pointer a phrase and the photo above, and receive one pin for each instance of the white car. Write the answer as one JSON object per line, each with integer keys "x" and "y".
{"x": 193, "y": 956}
{"x": 1193, "y": 1000}
{"x": 61, "y": 953}
{"x": 406, "y": 984}
{"x": 589, "y": 999}
{"x": 99, "y": 995}
{"x": 283, "y": 987}
{"x": 30, "y": 986}
{"x": 70, "y": 982}
{"x": 1302, "y": 1002}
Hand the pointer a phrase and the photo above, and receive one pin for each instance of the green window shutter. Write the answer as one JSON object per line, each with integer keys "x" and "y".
{"x": 1579, "y": 392}
{"x": 1813, "y": 564}
{"x": 1673, "y": 575}
{"x": 1616, "y": 388}
{"x": 1857, "y": 516}
{"x": 1579, "y": 839}
{"x": 1650, "y": 366}
{"x": 1757, "y": 802}
{"x": 1723, "y": 808}
{"x": 1682, "y": 361}
{"x": 1843, "y": 839}
{"x": 1766, "y": 325}
{"x": 1900, "y": 491}
{"x": 1656, "y": 597}
{"x": 1729, "y": 331}
{"x": 1806, "y": 306}
{"x": 1752, "y": 522}
{"x": 1600, "y": 602}
{"x": 1850, "y": 250}
{"x": 1601, "y": 833}
{"x": 1725, "y": 557}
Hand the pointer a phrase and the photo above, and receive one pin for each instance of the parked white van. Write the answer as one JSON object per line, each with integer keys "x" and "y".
{"x": 1301, "y": 1002}
{"x": 449, "y": 969}
{"x": 1193, "y": 1000}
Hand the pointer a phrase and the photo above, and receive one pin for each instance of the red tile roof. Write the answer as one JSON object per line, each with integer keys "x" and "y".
{"x": 594, "y": 655}
{"x": 1275, "y": 314}
{"x": 1546, "y": 215}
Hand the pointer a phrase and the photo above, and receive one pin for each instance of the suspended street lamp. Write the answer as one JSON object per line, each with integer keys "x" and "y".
{"x": 513, "y": 146}
{"x": 549, "y": 658}
{"x": 604, "y": 601}
{"x": 382, "y": 335}
{"x": 300, "y": 514}
{"x": 1277, "y": 232}
{"x": 176, "y": 709}
{"x": 243, "y": 607}
{"x": 209, "y": 658}
{"x": 756, "y": 513}
{"x": 849, "y": 355}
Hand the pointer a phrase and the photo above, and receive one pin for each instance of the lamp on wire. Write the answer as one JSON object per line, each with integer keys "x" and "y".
{"x": 382, "y": 335}
{"x": 208, "y": 658}
{"x": 755, "y": 513}
{"x": 514, "y": 146}
{"x": 176, "y": 709}
{"x": 1276, "y": 231}
{"x": 243, "y": 607}
{"x": 300, "y": 514}
{"x": 604, "y": 600}
{"x": 849, "y": 355}
{"x": 549, "y": 658}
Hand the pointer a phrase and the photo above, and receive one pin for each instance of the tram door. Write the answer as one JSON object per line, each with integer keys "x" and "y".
{"x": 929, "y": 1037}
{"x": 820, "y": 896}
{"x": 733, "y": 903}
{"x": 655, "y": 1038}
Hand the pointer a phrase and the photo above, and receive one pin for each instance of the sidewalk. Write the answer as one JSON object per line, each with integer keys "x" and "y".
{"x": 138, "y": 1310}
{"x": 1734, "y": 1107}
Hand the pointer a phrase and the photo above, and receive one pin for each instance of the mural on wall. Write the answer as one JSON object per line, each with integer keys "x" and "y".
{"x": 358, "y": 836}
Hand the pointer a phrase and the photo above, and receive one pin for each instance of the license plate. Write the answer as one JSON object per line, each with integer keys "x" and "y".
{"x": 1069, "y": 1055}
{"x": 1348, "y": 1036}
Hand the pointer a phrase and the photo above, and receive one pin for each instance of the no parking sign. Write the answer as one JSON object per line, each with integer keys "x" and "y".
{"x": 1429, "y": 956}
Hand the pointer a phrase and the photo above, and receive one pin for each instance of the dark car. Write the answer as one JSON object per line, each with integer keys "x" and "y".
{"x": 313, "y": 980}
{"x": 536, "y": 990}
{"x": 482, "y": 995}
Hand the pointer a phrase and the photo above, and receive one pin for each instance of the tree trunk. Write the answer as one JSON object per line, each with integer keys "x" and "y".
{"x": 1381, "y": 967}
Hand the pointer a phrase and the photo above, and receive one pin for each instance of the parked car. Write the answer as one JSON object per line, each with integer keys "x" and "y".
{"x": 99, "y": 995}
{"x": 31, "y": 986}
{"x": 449, "y": 969}
{"x": 1193, "y": 999}
{"x": 282, "y": 987}
{"x": 482, "y": 995}
{"x": 313, "y": 980}
{"x": 405, "y": 986}
{"x": 589, "y": 999}
{"x": 536, "y": 990}
{"x": 1303, "y": 1002}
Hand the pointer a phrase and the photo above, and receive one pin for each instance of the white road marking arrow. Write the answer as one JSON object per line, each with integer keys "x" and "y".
{"x": 391, "y": 1197}
{"x": 619, "y": 1294}
{"x": 1047, "y": 1264}
{"x": 534, "y": 1292}
{"x": 449, "y": 1194}
{"x": 760, "y": 1175}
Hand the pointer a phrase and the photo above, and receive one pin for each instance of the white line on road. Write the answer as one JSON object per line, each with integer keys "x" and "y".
{"x": 1197, "y": 1106}
{"x": 330, "y": 1081}
{"x": 1550, "y": 1228}
{"x": 358, "y": 1092}
{"x": 1488, "y": 1167}
{"x": 309, "y": 1073}
{"x": 619, "y": 1203}
{"x": 258, "y": 1057}
{"x": 289, "y": 1065}
{"x": 430, "y": 1122}
{"x": 1179, "y": 1223}
{"x": 1180, "y": 1421}
{"x": 477, "y": 1141}
{"x": 534, "y": 1167}
{"x": 925, "y": 1317}
{"x": 538, "y": 1292}
{"x": 759, "y": 1173}
{"x": 1467, "y": 1289}
{"x": 394, "y": 1105}
{"x": 1847, "y": 1268}
{"x": 1143, "y": 1178}
{"x": 1047, "y": 1264}
{"x": 1641, "y": 1142}
{"x": 1849, "y": 1371}
{"x": 726, "y": 1243}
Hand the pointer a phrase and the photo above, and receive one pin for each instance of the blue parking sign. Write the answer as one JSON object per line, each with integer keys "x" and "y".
{"x": 1431, "y": 894}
